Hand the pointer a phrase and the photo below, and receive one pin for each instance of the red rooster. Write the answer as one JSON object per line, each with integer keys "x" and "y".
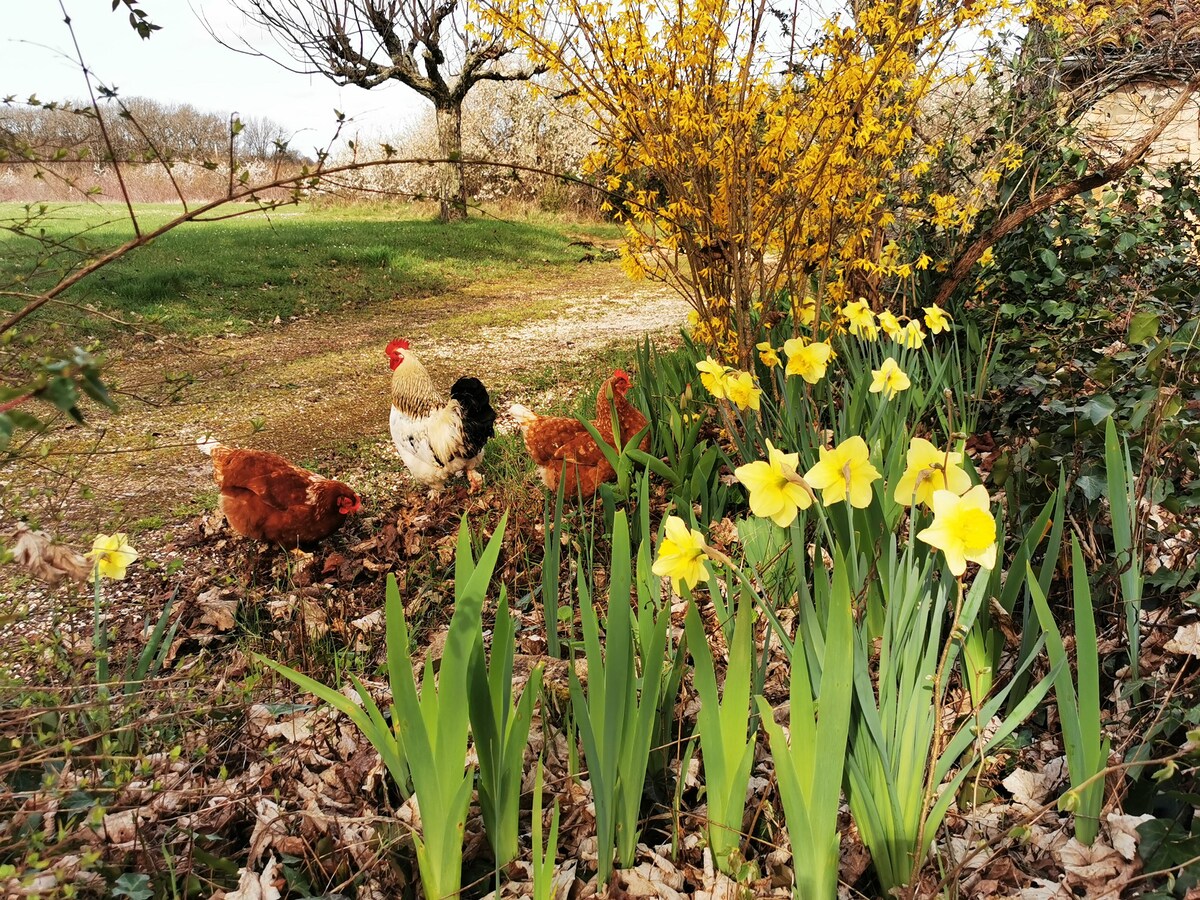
{"x": 266, "y": 498}
{"x": 563, "y": 449}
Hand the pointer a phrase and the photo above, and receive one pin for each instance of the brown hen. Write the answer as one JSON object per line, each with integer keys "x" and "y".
{"x": 564, "y": 450}
{"x": 267, "y": 498}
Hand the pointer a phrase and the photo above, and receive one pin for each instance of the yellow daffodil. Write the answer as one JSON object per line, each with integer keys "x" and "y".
{"x": 680, "y": 555}
{"x": 767, "y": 354}
{"x": 713, "y": 377}
{"x": 936, "y": 319}
{"x": 889, "y": 379}
{"x": 742, "y": 390}
{"x": 776, "y": 491}
{"x": 890, "y": 324}
{"x": 861, "y": 320}
{"x": 807, "y": 360}
{"x": 988, "y": 259}
{"x": 112, "y": 554}
{"x": 807, "y": 313}
{"x": 930, "y": 469}
{"x": 844, "y": 472}
{"x": 963, "y": 529}
{"x": 911, "y": 335}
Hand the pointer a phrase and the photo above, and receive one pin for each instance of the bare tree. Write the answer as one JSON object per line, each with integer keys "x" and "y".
{"x": 436, "y": 47}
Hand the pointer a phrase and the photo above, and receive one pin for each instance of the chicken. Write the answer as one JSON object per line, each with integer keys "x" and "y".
{"x": 265, "y": 497}
{"x": 562, "y": 448}
{"x": 434, "y": 437}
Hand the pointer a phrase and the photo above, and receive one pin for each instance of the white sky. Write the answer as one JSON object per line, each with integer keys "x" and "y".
{"x": 181, "y": 63}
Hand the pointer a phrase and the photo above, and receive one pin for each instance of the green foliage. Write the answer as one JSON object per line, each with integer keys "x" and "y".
{"x": 616, "y": 713}
{"x": 1094, "y": 310}
{"x": 810, "y": 767}
{"x": 1084, "y": 740}
{"x": 722, "y": 723}
{"x": 500, "y": 728}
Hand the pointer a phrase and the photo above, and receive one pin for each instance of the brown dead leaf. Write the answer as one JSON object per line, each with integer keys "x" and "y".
{"x": 220, "y": 613}
{"x": 268, "y": 826}
{"x": 256, "y": 886}
{"x": 1186, "y": 640}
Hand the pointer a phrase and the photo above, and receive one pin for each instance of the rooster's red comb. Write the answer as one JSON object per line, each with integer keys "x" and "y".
{"x": 621, "y": 374}
{"x": 397, "y": 344}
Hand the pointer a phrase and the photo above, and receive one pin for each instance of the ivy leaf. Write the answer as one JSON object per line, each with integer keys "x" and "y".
{"x": 1050, "y": 258}
{"x": 1099, "y": 408}
{"x": 6, "y": 430}
{"x": 136, "y": 886}
{"x": 1143, "y": 327}
{"x": 1126, "y": 241}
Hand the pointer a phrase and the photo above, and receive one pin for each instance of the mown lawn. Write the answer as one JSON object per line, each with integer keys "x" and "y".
{"x": 228, "y": 276}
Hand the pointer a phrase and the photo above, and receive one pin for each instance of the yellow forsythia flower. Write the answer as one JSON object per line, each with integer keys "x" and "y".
{"x": 889, "y": 379}
{"x": 890, "y": 324}
{"x": 936, "y": 319}
{"x": 776, "y": 491}
{"x": 963, "y": 529}
{"x": 680, "y": 555}
{"x": 844, "y": 472}
{"x": 742, "y": 390}
{"x": 767, "y": 354}
{"x": 713, "y": 376}
{"x": 911, "y": 335}
{"x": 930, "y": 469}
{"x": 861, "y": 319}
{"x": 807, "y": 360}
{"x": 112, "y": 554}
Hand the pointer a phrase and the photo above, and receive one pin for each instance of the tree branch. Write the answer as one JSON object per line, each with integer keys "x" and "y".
{"x": 1018, "y": 217}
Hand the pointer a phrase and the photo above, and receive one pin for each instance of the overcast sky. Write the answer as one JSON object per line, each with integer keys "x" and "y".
{"x": 181, "y": 63}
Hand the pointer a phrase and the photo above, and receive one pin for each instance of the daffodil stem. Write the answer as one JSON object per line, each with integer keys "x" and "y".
{"x": 99, "y": 642}
{"x": 935, "y": 750}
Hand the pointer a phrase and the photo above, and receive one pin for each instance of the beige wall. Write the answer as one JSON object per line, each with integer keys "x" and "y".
{"x": 1118, "y": 120}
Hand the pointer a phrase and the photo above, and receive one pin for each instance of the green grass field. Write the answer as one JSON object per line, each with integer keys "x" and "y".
{"x": 210, "y": 278}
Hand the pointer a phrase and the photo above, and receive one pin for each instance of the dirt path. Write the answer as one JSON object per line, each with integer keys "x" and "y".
{"x": 313, "y": 386}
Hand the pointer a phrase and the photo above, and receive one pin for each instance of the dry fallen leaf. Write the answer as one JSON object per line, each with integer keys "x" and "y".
{"x": 252, "y": 886}
{"x": 1186, "y": 640}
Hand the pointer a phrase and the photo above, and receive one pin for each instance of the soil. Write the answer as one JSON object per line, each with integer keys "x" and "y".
{"x": 314, "y": 386}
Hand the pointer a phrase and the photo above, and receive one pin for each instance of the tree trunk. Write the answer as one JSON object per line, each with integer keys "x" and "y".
{"x": 452, "y": 192}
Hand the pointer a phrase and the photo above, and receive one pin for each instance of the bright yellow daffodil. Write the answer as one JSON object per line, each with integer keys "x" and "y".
{"x": 776, "y": 490}
{"x": 930, "y": 469}
{"x": 844, "y": 472}
{"x": 680, "y": 555}
{"x": 807, "y": 360}
{"x": 963, "y": 529}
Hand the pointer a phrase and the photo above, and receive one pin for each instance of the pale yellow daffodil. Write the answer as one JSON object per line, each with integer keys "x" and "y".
{"x": 807, "y": 360}
{"x": 936, "y": 319}
{"x": 742, "y": 390}
{"x": 112, "y": 555}
{"x": 963, "y": 529}
{"x": 713, "y": 376}
{"x": 911, "y": 335}
{"x": 930, "y": 469}
{"x": 861, "y": 320}
{"x": 889, "y": 379}
{"x": 776, "y": 490}
{"x": 681, "y": 555}
{"x": 890, "y": 324}
{"x": 845, "y": 472}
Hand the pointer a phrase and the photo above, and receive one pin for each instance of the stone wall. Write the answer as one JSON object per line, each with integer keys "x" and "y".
{"x": 1117, "y": 121}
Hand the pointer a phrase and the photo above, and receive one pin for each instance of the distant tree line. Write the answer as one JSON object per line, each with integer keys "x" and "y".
{"x": 138, "y": 130}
